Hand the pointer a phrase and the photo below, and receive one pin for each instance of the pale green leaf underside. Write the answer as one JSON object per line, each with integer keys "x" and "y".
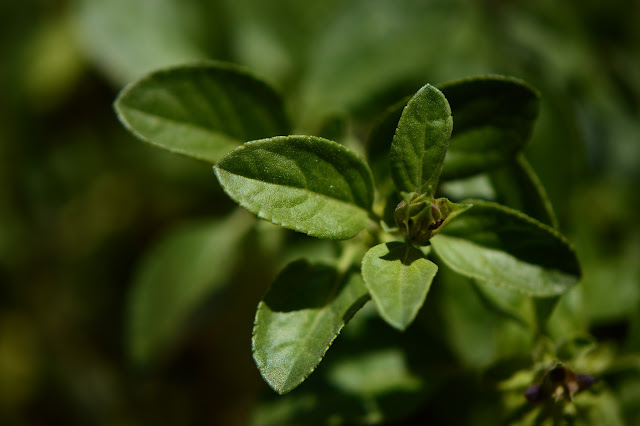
{"x": 499, "y": 268}
{"x": 503, "y": 247}
{"x": 303, "y": 183}
{"x": 187, "y": 266}
{"x": 301, "y": 315}
{"x": 421, "y": 141}
{"x": 202, "y": 110}
{"x": 398, "y": 277}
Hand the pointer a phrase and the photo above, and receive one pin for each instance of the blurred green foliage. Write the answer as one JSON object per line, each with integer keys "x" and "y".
{"x": 81, "y": 202}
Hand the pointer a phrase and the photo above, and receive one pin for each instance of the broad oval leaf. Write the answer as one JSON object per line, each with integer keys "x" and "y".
{"x": 421, "y": 141}
{"x": 297, "y": 321}
{"x": 201, "y": 110}
{"x": 304, "y": 183}
{"x": 500, "y": 246}
{"x": 189, "y": 265}
{"x": 494, "y": 118}
{"x": 398, "y": 277}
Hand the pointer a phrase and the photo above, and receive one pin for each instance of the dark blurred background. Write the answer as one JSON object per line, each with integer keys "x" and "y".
{"x": 81, "y": 200}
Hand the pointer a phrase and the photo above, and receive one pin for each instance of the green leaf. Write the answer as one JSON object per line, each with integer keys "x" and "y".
{"x": 398, "y": 277}
{"x": 301, "y": 315}
{"x": 201, "y": 110}
{"x": 494, "y": 118}
{"x": 518, "y": 186}
{"x": 477, "y": 333}
{"x": 421, "y": 141}
{"x": 190, "y": 264}
{"x": 500, "y": 246}
{"x": 128, "y": 38}
{"x": 374, "y": 373}
{"x": 304, "y": 183}
{"x": 379, "y": 145}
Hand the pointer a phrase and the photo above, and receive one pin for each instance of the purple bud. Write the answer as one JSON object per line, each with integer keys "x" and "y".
{"x": 585, "y": 381}
{"x": 534, "y": 393}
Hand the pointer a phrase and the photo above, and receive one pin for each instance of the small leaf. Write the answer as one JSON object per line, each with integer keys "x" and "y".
{"x": 187, "y": 266}
{"x": 398, "y": 277}
{"x": 421, "y": 141}
{"x": 304, "y": 183}
{"x": 518, "y": 186}
{"x": 301, "y": 315}
{"x": 202, "y": 111}
{"x": 494, "y": 118}
{"x": 500, "y": 246}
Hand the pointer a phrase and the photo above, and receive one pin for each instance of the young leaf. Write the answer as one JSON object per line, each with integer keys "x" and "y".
{"x": 500, "y": 246}
{"x": 301, "y": 315}
{"x": 494, "y": 118}
{"x": 191, "y": 263}
{"x": 202, "y": 111}
{"x": 304, "y": 183}
{"x": 398, "y": 277}
{"x": 518, "y": 186}
{"x": 421, "y": 141}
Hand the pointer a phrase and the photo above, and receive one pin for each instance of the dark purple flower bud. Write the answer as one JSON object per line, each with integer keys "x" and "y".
{"x": 585, "y": 381}
{"x": 534, "y": 393}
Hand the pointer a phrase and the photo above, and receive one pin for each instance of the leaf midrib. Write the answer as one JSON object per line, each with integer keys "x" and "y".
{"x": 317, "y": 194}
{"x": 198, "y": 126}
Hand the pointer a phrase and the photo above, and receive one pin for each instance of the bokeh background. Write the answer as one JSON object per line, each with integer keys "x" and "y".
{"x": 81, "y": 200}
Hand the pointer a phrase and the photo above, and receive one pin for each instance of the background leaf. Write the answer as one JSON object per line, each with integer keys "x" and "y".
{"x": 189, "y": 265}
{"x": 500, "y": 246}
{"x": 398, "y": 277}
{"x": 517, "y": 186}
{"x": 494, "y": 118}
{"x": 379, "y": 145}
{"x": 301, "y": 315}
{"x": 308, "y": 184}
{"x": 201, "y": 110}
{"x": 479, "y": 330}
{"x": 129, "y": 38}
{"x": 420, "y": 143}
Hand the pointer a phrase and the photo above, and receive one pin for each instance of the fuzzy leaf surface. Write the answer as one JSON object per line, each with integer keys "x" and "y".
{"x": 303, "y": 312}
{"x": 398, "y": 277}
{"x": 202, "y": 110}
{"x": 304, "y": 183}
{"x": 188, "y": 265}
{"x": 500, "y": 246}
{"x": 421, "y": 141}
{"x": 494, "y": 117}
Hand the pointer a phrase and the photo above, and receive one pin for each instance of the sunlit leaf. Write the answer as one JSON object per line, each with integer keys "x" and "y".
{"x": 304, "y": 183}
{"x": 301, "y": 315}
{"x": 500, "y": 246}
{"x": 201, "y": 110}
{"x": 421, "y": 141}
{"x": 398, "y": 277}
